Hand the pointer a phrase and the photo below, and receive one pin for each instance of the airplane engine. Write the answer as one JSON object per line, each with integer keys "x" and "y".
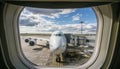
{"x": 27, "y": 40}
{"x": 32, "y": 42}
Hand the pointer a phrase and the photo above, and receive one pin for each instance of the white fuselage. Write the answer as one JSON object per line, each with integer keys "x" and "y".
{"x": 57, "y": 42}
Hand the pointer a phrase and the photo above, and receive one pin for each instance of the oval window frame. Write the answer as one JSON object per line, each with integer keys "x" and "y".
{"x": 15, "y": 43}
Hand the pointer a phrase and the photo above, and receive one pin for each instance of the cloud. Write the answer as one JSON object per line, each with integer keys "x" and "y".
{"x": 67, "y": 11}
{"x": 68, "y": 28}
{"x": 34, "y": 16}
{"x": 76, "y": 17}
{"x": 42, "y": 11}
{"x": 28, "y": 29}
{"x": 26, "y": 22}
{"x": 33, "y": 20}
{"x": 49, "y": 12}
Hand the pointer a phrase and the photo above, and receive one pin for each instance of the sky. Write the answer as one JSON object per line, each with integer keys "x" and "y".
{"x": 41, "y": 20}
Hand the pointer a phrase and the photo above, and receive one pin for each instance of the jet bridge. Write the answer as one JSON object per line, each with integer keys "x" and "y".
{"x": 76, "y": 47}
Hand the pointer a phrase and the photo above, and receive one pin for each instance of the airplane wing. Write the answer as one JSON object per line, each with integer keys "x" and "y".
{"x": 38, "y": 41}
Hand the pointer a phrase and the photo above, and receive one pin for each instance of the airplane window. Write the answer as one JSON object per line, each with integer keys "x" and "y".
{"x": 58, "y": 35}
{"x": 73, "y": 48}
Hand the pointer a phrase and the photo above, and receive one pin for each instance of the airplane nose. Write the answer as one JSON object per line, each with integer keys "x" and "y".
{"x": 58, "y": 47}
{"x": 54, "y": 48}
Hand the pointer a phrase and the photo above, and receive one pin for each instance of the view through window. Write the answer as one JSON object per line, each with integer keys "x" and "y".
{"x": 58, "y": 37}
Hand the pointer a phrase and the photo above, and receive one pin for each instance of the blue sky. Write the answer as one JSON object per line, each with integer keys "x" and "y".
{"x": 35, "y": 20}
{"x": 86, "y": 15}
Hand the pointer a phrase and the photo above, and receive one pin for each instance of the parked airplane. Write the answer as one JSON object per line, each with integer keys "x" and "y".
{"x": 57, "y": 43}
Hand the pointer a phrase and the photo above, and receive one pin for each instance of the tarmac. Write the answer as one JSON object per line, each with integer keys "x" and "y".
{"x": 41, "y": 56}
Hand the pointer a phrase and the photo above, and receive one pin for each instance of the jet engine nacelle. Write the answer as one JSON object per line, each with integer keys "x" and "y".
{"x": 32, "y": 42}
{"x": 27, "y": 40}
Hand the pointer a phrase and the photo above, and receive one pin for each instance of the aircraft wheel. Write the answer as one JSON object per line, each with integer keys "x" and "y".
{"x": 58, "y": 59}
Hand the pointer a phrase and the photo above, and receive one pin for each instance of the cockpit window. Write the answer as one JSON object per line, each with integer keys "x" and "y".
{"x": 78, "y": 25}
{"x": 58, "y": 34}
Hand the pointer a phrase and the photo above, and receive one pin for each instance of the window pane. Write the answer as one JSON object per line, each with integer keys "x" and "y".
{"x": 79, "y": 26}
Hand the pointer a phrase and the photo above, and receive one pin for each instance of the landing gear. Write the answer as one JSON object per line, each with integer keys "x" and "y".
{"x": 58, "y": 58}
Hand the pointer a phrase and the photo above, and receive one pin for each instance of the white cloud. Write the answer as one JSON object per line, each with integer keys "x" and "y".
{"x": 34, "y": 16}
{"x": 63, "y": 11}
{"x": 76, "y": 17}
{"x": 49, "y": 12}
{"x": 67, "y": 11}
{"x": 68, "y": 28}
{"x": 31, "y": 18}
{"x": 27, "y": 29}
